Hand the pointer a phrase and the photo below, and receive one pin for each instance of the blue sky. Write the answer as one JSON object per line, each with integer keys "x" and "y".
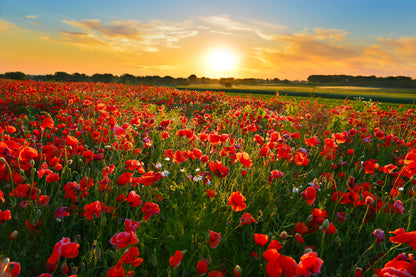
{"x": 265, "y": 38}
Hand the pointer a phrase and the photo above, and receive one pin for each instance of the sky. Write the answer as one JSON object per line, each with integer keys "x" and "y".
{"x": 289, "y": 39}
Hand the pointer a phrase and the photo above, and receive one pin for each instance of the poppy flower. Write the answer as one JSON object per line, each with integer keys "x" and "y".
{"x": 93, "y": 209}
{"x": 11, "y": 269}
{"x": 5, "y": 215}
{"x": 211, "y": 193}
{"x": 202, "y": 267}
{"x": 278, "y": 264}
{"x": 309, "y": 195}
{"x": 404, "y": 237}
{"x": 215, "y": 273}
{"x": 261, "y": 239}
{"x": 131, "y": 225}
{"x": 63, "y": 248}
{"x": 131, "y": 257}
{"x": 61, "y": 212}
{"x": 218, "y": 169}
{"x": 214, "y": 239}
{"x": 116, "y": 271}
{"x": 47, "y": 123}
{"x": 150, "y": 209}
{"x": 236, "y": 201}
{"x": 124, "y": 178}
{"x": 401, "y": 265}
{"x": 134, "y": 199}
{"x": 124, "y": 239}
{"x": 176, "y": 259}
{"x": 247, "y": 218}
{"x": 309, "y": 264}
{"x": 244, "y": 159}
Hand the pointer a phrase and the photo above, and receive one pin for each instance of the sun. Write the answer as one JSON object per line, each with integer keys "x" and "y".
{"x": 221, "y": 60}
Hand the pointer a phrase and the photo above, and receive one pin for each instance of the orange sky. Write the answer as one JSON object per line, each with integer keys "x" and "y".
{"x": 35, "y": 44}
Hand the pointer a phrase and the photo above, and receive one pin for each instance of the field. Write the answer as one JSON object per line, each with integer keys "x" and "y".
{"x": 404, "y": 96}
{"x": 115, "y": 180}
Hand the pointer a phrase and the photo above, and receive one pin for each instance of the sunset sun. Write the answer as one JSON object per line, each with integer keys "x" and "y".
{"x": 221, "y": 60}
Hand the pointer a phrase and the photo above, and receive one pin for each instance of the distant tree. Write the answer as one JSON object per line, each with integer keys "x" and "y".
{"x": 77, "y": 77}
{"x": 17, "y": 75}
{"x": 105, "y": 78}
{"x": 61, "y": 76}
{"x": 227, "y": 82}
{"x": 128, "y": 79}
{"x": 192, "y": 78}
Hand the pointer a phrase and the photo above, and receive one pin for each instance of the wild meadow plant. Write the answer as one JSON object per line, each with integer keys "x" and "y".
{"x": 115, "y": 180}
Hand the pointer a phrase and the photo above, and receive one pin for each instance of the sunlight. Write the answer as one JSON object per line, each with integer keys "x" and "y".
{"x": 221, "y": 60}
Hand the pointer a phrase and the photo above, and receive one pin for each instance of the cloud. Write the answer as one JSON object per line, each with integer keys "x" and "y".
{"x": 6, "y": 26}
{"x": 130, "y": 35}
{"x": 329, "y": 51}
{"x": 31, "y": 16}
{"x": 223, "y": 24}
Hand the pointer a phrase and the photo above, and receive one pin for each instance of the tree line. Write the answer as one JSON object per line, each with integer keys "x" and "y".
{"x": 364, "y": 81}
{"x": 313, "y": 80}
{"x": 135, "y": 80}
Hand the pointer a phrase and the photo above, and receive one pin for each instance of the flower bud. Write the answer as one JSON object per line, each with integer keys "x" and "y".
{"x": 325, "y": 224}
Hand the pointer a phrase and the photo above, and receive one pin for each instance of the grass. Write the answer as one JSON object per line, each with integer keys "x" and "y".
{"x": 405, "y": 96}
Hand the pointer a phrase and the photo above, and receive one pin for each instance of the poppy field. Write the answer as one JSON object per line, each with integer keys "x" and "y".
{"x": 116, "y": 180}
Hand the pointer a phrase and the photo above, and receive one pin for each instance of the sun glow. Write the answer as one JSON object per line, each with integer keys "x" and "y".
{"x": 221, "y": 60}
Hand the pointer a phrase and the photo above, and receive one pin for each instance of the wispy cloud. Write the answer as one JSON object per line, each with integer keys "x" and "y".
{"x": 8, "y": 27}
{"x": 31, "y": 16}
{"x": 132, "y": 35}
{"x": 223, "y": 24}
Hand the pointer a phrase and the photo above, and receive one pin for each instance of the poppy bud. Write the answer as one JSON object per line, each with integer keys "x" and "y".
{"x": 307, "y": 250}
{"x": 325, "y": 224}
{"x": 13, "y": 235}
{"x": 283, "y": 235}
{"x": 237, "y": 271}
{"x": 3, "y": 160}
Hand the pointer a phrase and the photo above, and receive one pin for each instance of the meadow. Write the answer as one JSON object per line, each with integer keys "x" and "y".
{"x": 115, "y": 180}
{"x": 389, "y": 95}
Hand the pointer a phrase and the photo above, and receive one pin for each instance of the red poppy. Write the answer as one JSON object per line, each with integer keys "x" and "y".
{"x": 5, "y": 215}
{"x": 247, "y": 218}
{"x": 218, "y": 169}
{"x": 244, "y": 159}
{"x": 124, "y": 239}
{"x": 63, "y": 248}
{"x": 261, "y": 239}
{"x": 71, "y": 141}
{"x": 202, "y": 267}
{"x": 124, "y": 178}
{"x": 401, "y": 265}
{"x": 61, "y": 212}
{"x": 309, "y": 195}
{"x": 93, "y": 209}
{"x": 236, "y": 201}
{"x": 215, "y": 273}
{"x": 309, "y": 264}
{"x": 134, "y": 199}
{"x": 131, "y": 225}
{"x": 404, "y": 237}
{"x": 211, "y": 193}
{"x": 47, "y": 123}
{"x": 150, "y": 209}
{"x": 278, "y": 264}
{"x": 131, "y": 257}
{"x": 176, "y": 259}
{"x": 11, "y": 269}
{"x": 214, "y": 239}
